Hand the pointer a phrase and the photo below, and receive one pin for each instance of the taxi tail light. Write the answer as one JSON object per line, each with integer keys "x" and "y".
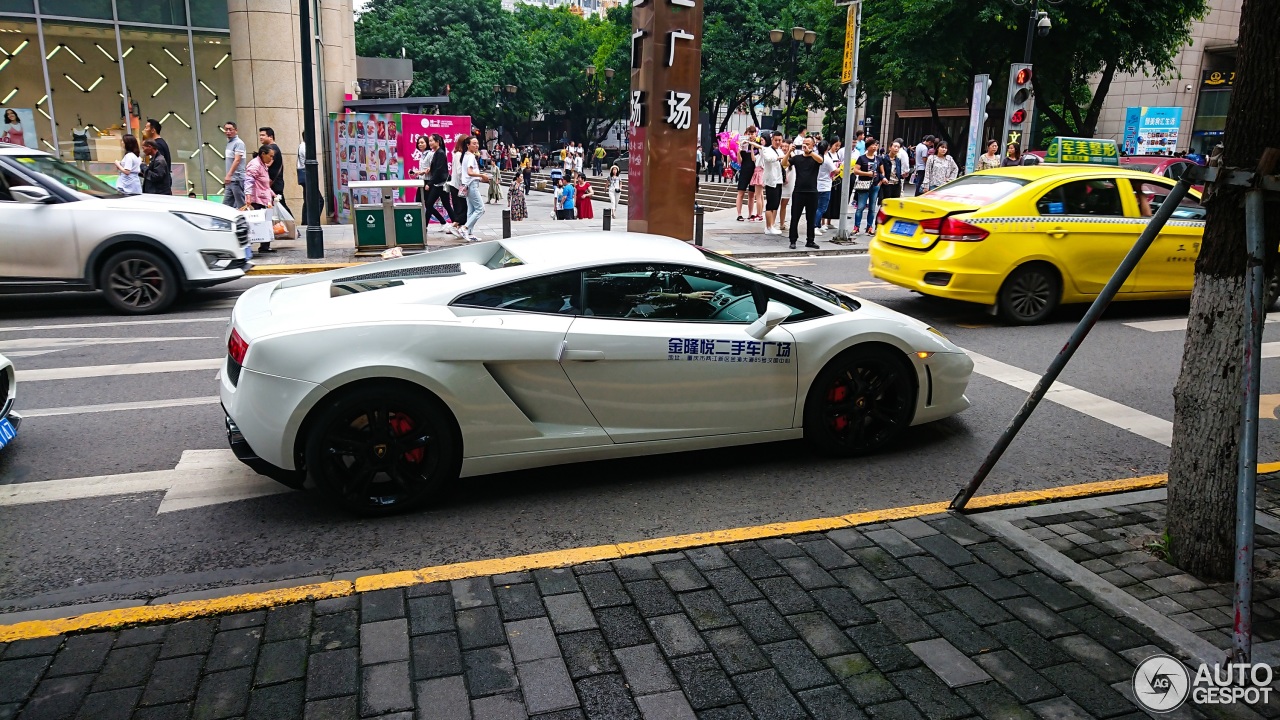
{"x": 960, "y": 231}
{"x": 881, "y": 218}
{"x": 237, "y": 347}
{"x": 931, "y": 226}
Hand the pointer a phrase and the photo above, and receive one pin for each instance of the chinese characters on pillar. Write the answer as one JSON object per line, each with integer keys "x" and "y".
{"x": 639, "y": 116}
{"x": 678, "y": 114}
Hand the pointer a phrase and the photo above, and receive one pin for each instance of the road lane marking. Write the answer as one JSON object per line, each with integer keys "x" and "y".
{"x": 1095, "y": 406}
{"x": 31, "y": 347}
{"x": 1271, "y": 350}
{"x": 89, "y": 371}
{"x": 202, "y": 477}
{"x": 120, "y": 323}
{"x": 113, "y": 407}
{"x": 1180, "y": 323}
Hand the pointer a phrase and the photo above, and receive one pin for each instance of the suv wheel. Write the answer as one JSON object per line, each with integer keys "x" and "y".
{"x": 138, "y": 282}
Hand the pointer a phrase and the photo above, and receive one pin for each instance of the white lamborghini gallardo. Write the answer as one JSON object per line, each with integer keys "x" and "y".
{"x": 383, "y": 383}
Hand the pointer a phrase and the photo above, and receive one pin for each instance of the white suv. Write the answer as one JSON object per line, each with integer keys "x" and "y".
{"x": 64, "y": 229}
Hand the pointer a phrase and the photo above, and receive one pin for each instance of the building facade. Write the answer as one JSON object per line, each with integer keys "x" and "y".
{"x": 1207, "y": 70}
{"x": 79, "y": 74}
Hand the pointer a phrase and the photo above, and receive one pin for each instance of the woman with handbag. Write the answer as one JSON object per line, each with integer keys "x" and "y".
{"x": 515, "y": 198}
{"x": 582, "y": 195}
{"x": 615, "y": 190}
{"x": 865, "y": 169}
{"x": 435, "y": 175}
{"x": 258, "y": 185}
{"x": 129, "y": 168}
{"x": 471, "y": 177}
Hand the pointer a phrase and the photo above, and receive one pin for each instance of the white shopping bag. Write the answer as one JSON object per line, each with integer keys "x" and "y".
{"x": 259, "y": 226}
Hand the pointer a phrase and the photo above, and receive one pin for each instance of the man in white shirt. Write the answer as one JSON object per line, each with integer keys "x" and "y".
{"x": 771, "y": 165}
{"x": 922, "y": 155}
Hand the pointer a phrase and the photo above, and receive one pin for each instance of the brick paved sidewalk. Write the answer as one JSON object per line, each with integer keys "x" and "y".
{"x": 929, "y": 617}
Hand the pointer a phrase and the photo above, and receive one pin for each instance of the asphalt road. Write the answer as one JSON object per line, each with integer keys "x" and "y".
{"x": 118, "y": 547}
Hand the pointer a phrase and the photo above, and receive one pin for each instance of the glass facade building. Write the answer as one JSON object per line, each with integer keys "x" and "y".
{"x": 83, "y": 73}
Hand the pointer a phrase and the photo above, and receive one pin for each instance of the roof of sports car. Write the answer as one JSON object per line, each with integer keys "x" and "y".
{"x": 590, "y": 247}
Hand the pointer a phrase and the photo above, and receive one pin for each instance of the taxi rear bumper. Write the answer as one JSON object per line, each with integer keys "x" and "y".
{"x": 929, "y": 273}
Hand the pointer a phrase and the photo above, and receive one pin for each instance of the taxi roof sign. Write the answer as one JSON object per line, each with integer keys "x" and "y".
{"x": 1082, "y": 150}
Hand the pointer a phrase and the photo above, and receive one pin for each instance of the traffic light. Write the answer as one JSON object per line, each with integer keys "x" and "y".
{"x": 1019, "y": 106}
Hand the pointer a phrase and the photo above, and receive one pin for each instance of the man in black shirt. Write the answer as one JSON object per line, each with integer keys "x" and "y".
{"x": 267, "y": 136}
{"x": 805, "y": 163}
{"x": 152, "y": 132}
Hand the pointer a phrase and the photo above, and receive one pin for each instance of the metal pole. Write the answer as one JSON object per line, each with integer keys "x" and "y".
{"x": 1246, "y": 485}
{"x": 608, "y": 219}
{"x": 506, "y": 223}
{"x": 311, "y": 191}
{"x": 1078, "y": 335}
{"x": 48, "y": 89}
{"x": 698, "y": 212}
{"x": 851, "y": 99}
{"x": 1031, "y": 30}
{"x": 791, "y": 82}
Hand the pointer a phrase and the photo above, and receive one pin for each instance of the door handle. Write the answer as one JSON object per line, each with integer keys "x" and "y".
{"x": 583, "y": 355}
{"x": 1058, "y": 232}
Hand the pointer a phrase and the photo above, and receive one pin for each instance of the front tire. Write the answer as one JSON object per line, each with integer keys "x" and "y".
{"x": 379, "y": 450}
{"x": 862, "y": 400}
{"x": 139, "y": 282}
{"x": 1030, "y": 294}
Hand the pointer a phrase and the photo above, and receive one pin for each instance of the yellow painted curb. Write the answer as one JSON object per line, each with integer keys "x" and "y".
{"x": 111, "y": 619}
{"x": 297, "y": 269}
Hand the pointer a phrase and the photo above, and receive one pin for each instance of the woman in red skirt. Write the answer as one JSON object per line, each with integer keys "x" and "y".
{"x": 582, "y": 192}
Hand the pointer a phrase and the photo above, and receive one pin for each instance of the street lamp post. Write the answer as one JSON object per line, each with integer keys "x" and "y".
{"x": 799, "y": 37}
{"x": 1038, "y": 23}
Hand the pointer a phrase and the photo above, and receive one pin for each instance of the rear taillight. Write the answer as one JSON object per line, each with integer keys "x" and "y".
{"x": 881, "y": 218}
{"x": 237, "y": 347}
{"x": 960, "y": 231}
{"x": 931, "y": 225}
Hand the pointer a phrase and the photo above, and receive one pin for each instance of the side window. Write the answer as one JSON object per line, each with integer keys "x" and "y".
{"x": 1174, "y": 171}
{"x": 1151, "y": 195}
{"x": 1098, "y": 197}
{"x": 555, "y": 294}
{"x": 8, "y": 179}
{"x": 669, "y": 292}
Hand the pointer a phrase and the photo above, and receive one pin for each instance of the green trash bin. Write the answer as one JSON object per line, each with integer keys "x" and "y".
{"x": 409, "y": 225}
{"x": 370, "y": 227}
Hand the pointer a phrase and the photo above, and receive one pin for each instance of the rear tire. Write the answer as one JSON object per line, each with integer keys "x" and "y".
{"x": 1030, "y": 294}
{"x": 381, "y": 449}
{"x": 139, "y": 282}
{"x": 862, "y": 400}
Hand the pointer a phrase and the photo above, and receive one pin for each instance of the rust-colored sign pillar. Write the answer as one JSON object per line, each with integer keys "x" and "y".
{"x": 666, "y": 65}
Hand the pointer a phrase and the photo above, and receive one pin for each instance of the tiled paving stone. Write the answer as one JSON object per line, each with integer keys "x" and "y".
{"x": 519, "y": 602}
{"x": 930, "y": 695}
{"x": 917, "y": 594}
{"x": 604, "y": 589}
{"x": 709, "y": 558}
{"x": 653, "y": 597}
{"x": 703, "y": 681}
{"x": 842, "y": 607}
{"x": 733, "y": 585}
{"x": 707, "y": 610}
{"x": 786, "y": 595}
{"x": 866, "y": 586}
{"x": 569, "y": 612}
{"x": 382, "y": 605}
{"x": 436, "y": 655}
{"x": 754, "y": 561}
{"x": 905, "y": 624}
{"x": 606, "y": 696}
{"x": 880, "y": 562}
{"x": 781, "y": 548}
{"x": 623, "y": 627}
{"x": 82, "y": 654}
{"x": 681, "y": 575}
{"x": 735, "y": 650}
{"x": 767, "y": 696}
{"x": 430, "y": 614}
{"x": 328, "y": 632}
{"x": 333, "y": 673}
{"x": 556, "y": 581}
{"x": 286, "y": 622}
{"x": 631, "y": 569}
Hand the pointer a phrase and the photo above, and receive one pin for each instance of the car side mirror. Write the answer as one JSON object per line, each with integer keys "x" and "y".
{"x": 773, "y": 316}
{"x": 30, "y": 194}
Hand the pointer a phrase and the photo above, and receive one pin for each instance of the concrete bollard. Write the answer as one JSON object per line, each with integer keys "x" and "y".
{"x": 608, "y": 219}
{"x": 697, "y": 224}
{"x": 506, "y": 223}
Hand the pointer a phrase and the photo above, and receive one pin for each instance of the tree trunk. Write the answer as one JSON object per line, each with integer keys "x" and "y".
{"x": 1099, "y": 97}
{"x": 938, "y": 127}
{"x": 1206, "y": 422}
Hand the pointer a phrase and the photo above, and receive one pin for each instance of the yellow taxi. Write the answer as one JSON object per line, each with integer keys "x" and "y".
{"x": 1026, "y": 239}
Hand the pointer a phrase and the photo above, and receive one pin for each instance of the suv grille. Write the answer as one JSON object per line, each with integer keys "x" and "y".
{"x": 242, "y": 230}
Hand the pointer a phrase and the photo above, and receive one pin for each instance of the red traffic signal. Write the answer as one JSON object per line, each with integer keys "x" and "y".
{"x": 1023, "y": 77}
{"x": 1018, "y": 116}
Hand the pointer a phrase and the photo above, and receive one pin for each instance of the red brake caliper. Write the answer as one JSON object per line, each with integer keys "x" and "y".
{"x": 837, "y": 394}
{"x": 401, "y": 425}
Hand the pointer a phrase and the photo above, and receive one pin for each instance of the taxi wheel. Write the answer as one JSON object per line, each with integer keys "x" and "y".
{"x": 861, "y": 401}
{"x": 138, "y": 282}
{"x": 1030, "y": 294}
{"x": 382, "y": 449}
{"x": 1272, "y": 299}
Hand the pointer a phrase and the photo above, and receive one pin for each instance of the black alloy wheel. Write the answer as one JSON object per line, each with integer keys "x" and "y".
{"x": 1029, "y": 294}
{"x": 1271, "y": 299}
{"x": 382, "y": 450}
{"x": 139, "y": 282}
{"x": 860, "y": 402}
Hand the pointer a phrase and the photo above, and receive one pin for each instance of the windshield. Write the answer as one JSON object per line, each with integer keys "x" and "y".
{"x": 977, "y": 189}
{"x": 793, "y": 281}
{"x": 67, "y": 174}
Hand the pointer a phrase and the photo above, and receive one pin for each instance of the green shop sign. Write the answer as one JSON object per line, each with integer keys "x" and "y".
{"x": 1082, "y": 150}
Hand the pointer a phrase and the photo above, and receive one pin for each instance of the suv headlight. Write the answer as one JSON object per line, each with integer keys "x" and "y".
{"x": 205, "y": 222}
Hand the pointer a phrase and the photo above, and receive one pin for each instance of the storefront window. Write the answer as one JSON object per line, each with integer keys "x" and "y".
{"x": 24, "y": 105}
{"x": 210, "y": 14}
{"x": 215, "y": 96}
{"x": 85, "y": 78}
{"x": 152, "y": 12}
{"x": 17, "y": 6}
{"x": 93, "y": 9}
{"x": 159, "y": 74}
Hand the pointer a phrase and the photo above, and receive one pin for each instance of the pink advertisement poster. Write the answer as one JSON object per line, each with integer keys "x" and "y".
{"x": 413, "y": 127}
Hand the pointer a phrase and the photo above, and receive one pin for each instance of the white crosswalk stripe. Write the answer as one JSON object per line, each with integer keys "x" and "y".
{"x": 114, "y": 407}
{"x": 1179, "y": 323}
{"x": 31, "y": 347}
{"x": 89, "y": 371}
{"x": 116, "y": 323}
